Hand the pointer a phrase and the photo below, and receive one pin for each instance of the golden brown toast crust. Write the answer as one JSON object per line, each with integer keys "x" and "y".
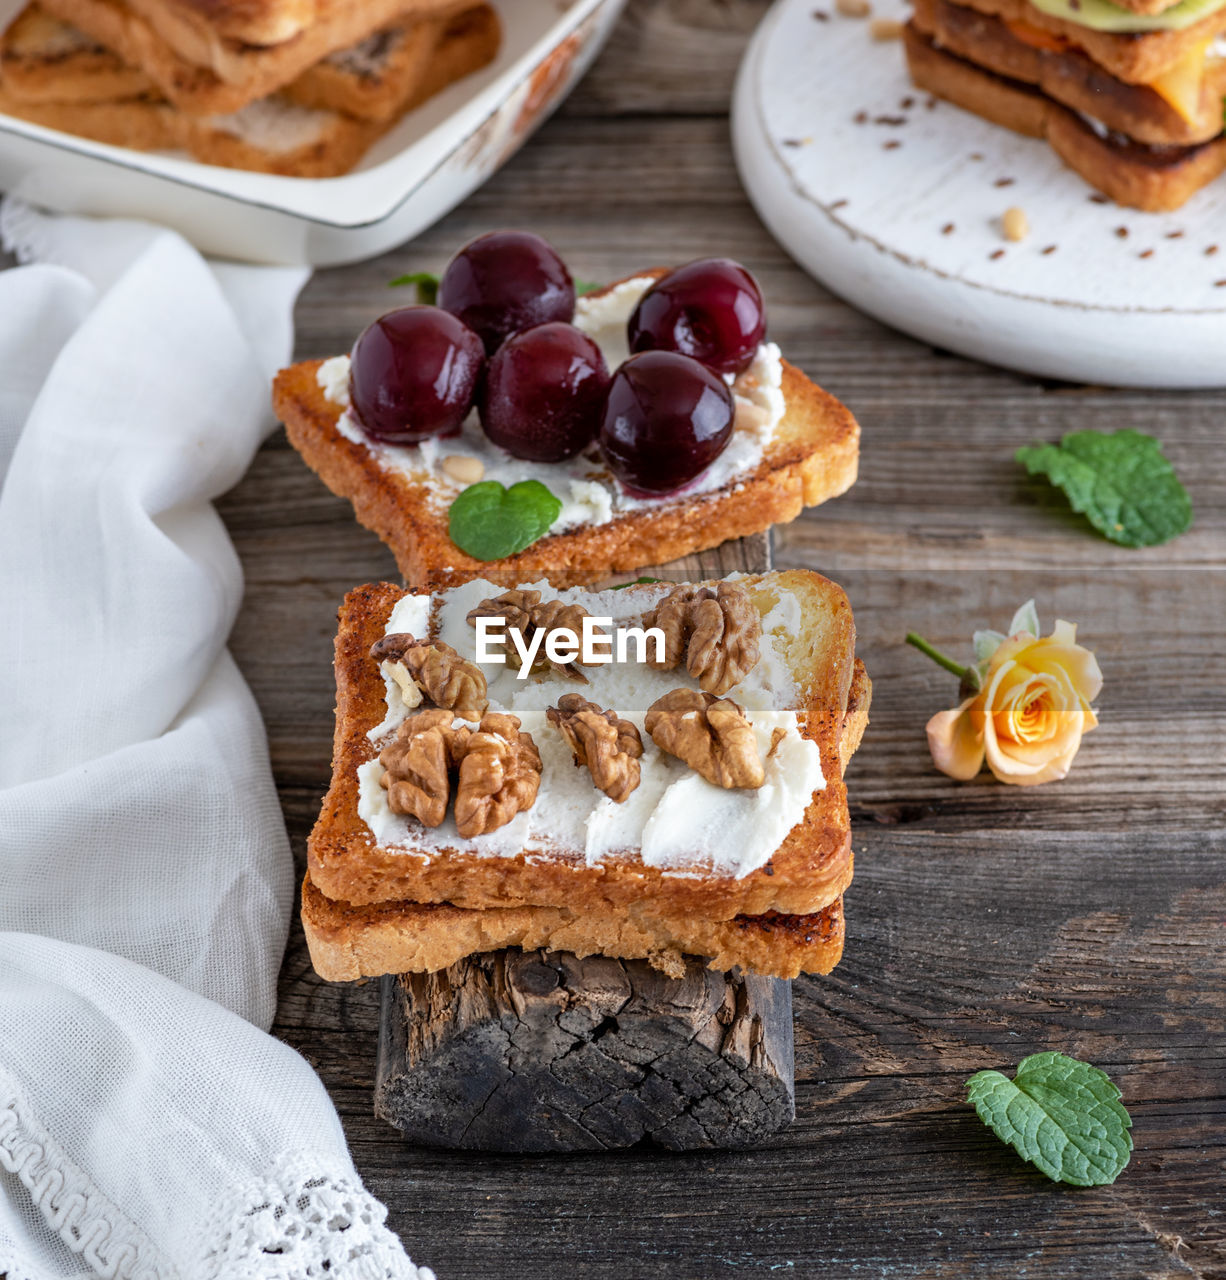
{"x": 200, "y": 24}
{"x": 421, "y": 60}
{"x": 348, "y": 942}
{"x": 813, "y": 457}
{"x": 811, "y": 868}
{"x": 144, "y": 124}
{"x": 246, "y": 72}
{"x": 150, "y": 122}
{"x": 1070, "y": 77}
{"x": 1140, "y": 178}
{"x": 43, "y": 60}
{"x": 1137, "y": 59}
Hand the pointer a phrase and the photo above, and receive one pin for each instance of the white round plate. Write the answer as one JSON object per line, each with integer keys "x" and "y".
{"x": 893, "y": 200}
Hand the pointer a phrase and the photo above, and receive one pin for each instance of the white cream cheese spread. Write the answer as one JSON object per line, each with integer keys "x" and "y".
{"x": 589, "y": 494}
{"x": 680, "y": 822}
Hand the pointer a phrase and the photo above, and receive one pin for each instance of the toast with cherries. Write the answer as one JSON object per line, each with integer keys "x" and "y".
{"x": 792, "y": 445}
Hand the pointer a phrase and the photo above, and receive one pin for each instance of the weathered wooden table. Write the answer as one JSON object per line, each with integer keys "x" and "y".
{"x": 985, "y": 922}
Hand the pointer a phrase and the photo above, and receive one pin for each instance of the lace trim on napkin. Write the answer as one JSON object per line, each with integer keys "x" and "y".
{"x": 296, "y": 1225}
{"x": 299, "y": 1225}
{"x": 86, "y": 1221}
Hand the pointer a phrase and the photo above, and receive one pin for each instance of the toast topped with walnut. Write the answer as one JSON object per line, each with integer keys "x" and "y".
{"x": 651, "y": 804}
{"x": 491, "y": 435}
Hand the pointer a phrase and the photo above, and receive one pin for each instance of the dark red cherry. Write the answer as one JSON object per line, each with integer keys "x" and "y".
{"x": 413, "y": 374}
{"x": 666, "y": 419}
{"x": 505, "y": 281}
{"x": 711, "y": 310}
{"x": 544, "y": 392}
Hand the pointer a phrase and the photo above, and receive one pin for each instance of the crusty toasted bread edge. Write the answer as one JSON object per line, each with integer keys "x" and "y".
{"x": 348, "y": 942}
{"x": 811, "y": 868}
{"x": 1155, "y": 181}
{"x": 814, "y": 456}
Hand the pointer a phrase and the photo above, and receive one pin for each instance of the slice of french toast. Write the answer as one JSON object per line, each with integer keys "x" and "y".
{"x": 1152, "y": 178}
{"x": 53, "y": 75}
{"x": 679, "y": 844}
{"x": 229, "y": 74}
{"x": 348, "y": 942}
{"x": 809, "y": 456}
{"x": 1137, "y": 57}
{"x": 1070, "y": 77}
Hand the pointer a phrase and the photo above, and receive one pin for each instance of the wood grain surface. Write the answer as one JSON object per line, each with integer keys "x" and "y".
{"x": 985, "y": 922}
{"x": 540, "y": 1051}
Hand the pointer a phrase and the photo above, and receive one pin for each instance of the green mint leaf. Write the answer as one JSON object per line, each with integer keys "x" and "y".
{"x": 1119, "y": 480}
{"x": 638, "y": 582}
{"x": 1062, "y": 1115}
{"x": 489, "y": 521}
{"x": 585, "y": 286}
{"x": 426, "y": 282}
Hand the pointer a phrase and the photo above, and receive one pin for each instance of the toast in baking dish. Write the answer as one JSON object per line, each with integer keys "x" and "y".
{"x": 783, "y": 846}
{"x": 743, "y": 874}
{"x": 807, "y": 452}
{"x": 318, "y": 126}
{"x": 220, "y": 74}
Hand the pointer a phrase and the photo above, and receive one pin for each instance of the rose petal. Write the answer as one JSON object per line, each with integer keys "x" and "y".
{"x": 956, "y": 742}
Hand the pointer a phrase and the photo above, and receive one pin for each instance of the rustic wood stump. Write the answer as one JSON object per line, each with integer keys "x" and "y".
{"x": 540, "y": 1051}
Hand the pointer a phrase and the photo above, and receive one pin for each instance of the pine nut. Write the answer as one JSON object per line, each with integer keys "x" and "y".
{"x": 1014, "y": 224}
{"x": 462, "y": 468}
{"x": 885, "y": 29}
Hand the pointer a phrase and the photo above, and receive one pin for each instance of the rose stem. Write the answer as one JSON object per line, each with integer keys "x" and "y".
{"x": 941, "y": 659}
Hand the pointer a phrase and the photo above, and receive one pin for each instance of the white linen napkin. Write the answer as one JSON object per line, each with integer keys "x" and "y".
{"x": 149, "y": 1127}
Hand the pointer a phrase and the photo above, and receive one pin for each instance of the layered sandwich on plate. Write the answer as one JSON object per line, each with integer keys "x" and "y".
{"x": 674, "y": 787}
{"x": 514, "y": 430}
{"x": 301, "y": 119}
{"x": 1129, "y": 94}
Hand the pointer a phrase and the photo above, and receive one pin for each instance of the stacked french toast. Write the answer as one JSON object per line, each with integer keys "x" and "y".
{"x": 1129, "y": 93}
{"x": 530, "y": 751}
{"x": 294, "y": 87}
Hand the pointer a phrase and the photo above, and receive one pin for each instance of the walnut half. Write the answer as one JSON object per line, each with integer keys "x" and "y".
{"x": 609, "y": 746}
{"x": 437, "y": 670}
{"x": 524, "y": 612}
{"x": 714, "y": 630}
{"x": 499, "y": 770}
{"x": 499, "y": 775}
{"x": 417, "y": 765}
{"x": 712, "y": 735}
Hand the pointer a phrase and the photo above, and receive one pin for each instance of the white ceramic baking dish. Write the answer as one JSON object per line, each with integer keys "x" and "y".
{"x": 435, "y": 157}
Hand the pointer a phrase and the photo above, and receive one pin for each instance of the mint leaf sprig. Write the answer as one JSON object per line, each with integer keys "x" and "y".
{"x": 1120, "y": 481}
{"x": 1064, "y": 1116}
{"x": 490, "y": 521}
{"x": 426, "y": 282}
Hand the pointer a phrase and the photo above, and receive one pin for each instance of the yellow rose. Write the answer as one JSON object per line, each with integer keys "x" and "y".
{"x": 1032, "y": 707}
